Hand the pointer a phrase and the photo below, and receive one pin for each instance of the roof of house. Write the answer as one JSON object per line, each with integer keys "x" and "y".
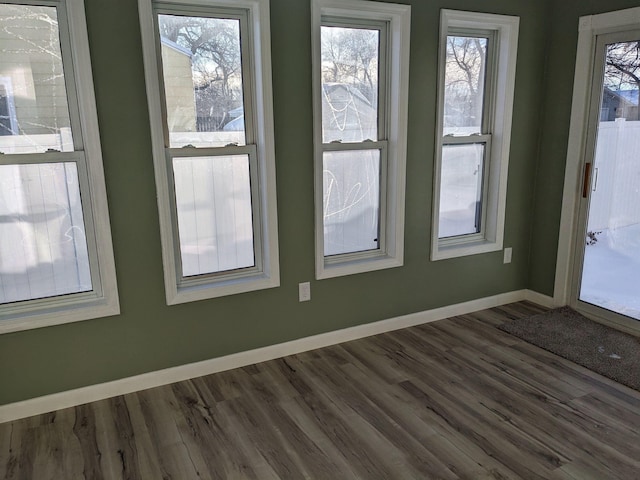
{"x": 174, "y": 46}
{"x": 629, "y": 97}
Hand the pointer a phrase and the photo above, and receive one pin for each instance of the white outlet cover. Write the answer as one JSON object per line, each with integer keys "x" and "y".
{"x": 304, "y": 291}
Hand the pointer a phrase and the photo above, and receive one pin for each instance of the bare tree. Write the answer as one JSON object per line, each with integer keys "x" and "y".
{"x": 622, "y": 66}
{"x": 464, "y": 80}
{"x": 216, "y": 62}
{"x": 350, "y": 56}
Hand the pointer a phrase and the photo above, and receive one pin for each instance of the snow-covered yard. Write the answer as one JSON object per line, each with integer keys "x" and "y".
{"x": 611, "y": 275}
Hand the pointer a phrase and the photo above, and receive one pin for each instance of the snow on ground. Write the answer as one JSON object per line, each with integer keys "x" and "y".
{"x": 611, "y": 274}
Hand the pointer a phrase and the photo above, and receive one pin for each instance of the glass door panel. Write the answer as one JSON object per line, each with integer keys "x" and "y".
{"x": 611, "y": 263}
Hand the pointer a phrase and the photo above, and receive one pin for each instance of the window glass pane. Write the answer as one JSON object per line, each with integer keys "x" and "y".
{"x": 464, "y": 85}
{"x": 621, "y": 82}
{"x": 34, "y": 115}
{"x": 461, "y": 189}
{"x": 7, "y": 109}
{"x": 611, "y": 268}
{"x": 213, "y": 199}
{"x": 202, "y": 73}
{"x": 351, "y": 201}
{"x": 350, "y": 58}
{"x": 43, "y": 249}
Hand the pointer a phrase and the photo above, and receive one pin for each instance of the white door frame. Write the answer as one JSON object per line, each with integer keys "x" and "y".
{"x": 589, "y": 28}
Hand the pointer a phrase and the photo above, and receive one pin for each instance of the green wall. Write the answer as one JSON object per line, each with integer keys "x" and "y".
{"x": 554, "y": 133}
{"x": 148, "y": 335}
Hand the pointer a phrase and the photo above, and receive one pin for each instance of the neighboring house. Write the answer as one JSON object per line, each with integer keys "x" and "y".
{"x": 349, "y": 114}
{"x": 619, "y": 104}
{"x": 178, "y": 84}
{"x": 8, "y": 119}
{"x": 235, "y": 125}
{"x": 33, "y": 103}
{"x": 236, "y": 112}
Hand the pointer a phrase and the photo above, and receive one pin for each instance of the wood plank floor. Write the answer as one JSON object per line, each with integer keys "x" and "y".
{"x": 452, "y": 399}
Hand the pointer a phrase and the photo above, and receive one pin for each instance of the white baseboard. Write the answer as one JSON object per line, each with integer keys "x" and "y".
{"x": 92, "y": 393}
{"x": 541, "y": 299}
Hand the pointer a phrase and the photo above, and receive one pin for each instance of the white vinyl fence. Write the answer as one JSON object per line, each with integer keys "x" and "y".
{"x": 44, "y": 250}
{"x": 61, "y": 141}
{"x": 615, "y": 199}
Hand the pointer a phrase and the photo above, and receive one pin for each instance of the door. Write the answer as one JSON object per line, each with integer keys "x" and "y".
{"x": 607, "y": 275}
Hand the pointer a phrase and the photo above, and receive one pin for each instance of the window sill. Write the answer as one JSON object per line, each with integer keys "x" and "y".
{"x": 354, "y": 266}
{"x": 442, "y": 251}
{"x": 57, "y": 313}
{"x": 220, "y": 288}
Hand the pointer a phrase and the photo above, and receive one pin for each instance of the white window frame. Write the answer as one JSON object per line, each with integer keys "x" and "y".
{"x": 393, "y": 142}
{"x": 266, "y": 273}
{"x": 102, "y": 300}
{"x": 499, "y": 107}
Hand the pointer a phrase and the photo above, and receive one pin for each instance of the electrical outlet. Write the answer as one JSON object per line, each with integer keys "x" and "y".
{"x": 507, "y": 254}
{"x": 304, "y": 292}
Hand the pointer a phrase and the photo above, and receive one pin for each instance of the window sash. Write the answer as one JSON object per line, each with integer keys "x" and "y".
{"x": 484, "y": 140}
{"x": 383, "y": 71}
{"x": 381, "y": 146}
{"x": 59, "y": 301}
{"x": 215, "y": 12}
{"x": 488, "y": 103}
{"x": 206, "y": 278}
{"x": 64, "y": 37}
{"x": 380, "y": 251}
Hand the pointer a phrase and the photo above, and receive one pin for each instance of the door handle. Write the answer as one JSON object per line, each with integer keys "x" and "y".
{"x": 586, "y": 180}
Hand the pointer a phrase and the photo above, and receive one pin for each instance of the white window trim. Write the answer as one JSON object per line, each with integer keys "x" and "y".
{"x": 506, "y": 28}
{"x": 103, "y": 300}
{"x": 220, "y": 285}
{"x": 399, "y": 20}
{"x": 589, "y": 27}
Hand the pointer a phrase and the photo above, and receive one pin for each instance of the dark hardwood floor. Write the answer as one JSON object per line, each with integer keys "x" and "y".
{"x": 452, "y": 399}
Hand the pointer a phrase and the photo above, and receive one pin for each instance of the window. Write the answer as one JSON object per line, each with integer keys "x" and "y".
{"x": 56, "y": 258}
{"x": 208, "y": 83}
{"x": 360, "y": 66}
{"x": 477, "y": 75}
